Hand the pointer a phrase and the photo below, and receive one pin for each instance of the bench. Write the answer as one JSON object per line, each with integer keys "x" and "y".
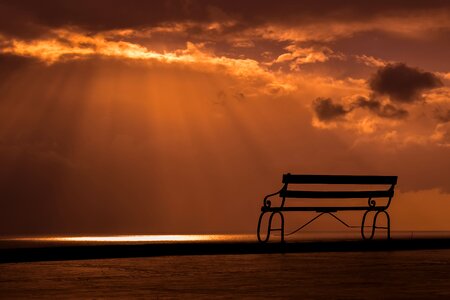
{"x": 345, "y": 187}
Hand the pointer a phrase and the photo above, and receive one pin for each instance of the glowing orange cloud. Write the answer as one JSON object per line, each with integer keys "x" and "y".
{"x": 298, "y": 56}
{"x": 69, "y": 45}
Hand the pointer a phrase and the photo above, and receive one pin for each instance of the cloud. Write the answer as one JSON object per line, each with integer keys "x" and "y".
{"x": 370, "y": 61}
{"x": 441, "y": 134}
{"x": 403, "y": 84}
{"x": 65, "y": 45}
{"x": 28, "y": 18}
{"x": 289, "y": 20}
{"x": 388, "y": 110}
{"x": 443, "y": 116}
{"x": 326, "y": 110}
{"x": 297, "y": 56}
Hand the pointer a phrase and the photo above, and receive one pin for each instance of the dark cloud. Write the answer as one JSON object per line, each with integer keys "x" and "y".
{"x": 391, "y": 112}
{"x": 27, "y": 18}
{"x": 30, "y": 18}
{"x": 326, "y": 110}
{"x": 388, "y": 111}
{"x": 403, "y": 84}
{"x": 400, "y": 82}
{"x": 370, "y": 104}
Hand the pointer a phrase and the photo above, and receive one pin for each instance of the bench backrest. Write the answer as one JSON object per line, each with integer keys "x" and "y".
{"x": 338, "y": 180}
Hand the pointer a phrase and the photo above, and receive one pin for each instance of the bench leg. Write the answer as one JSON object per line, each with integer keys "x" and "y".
{"x": 388, "y": 223}
{"x": 363, "y": 224}
{"x": 269, "y": 227}
{"x": 258, "y": 232}
{"x": 281, "y": 229}
{"x": 374, "y": 225}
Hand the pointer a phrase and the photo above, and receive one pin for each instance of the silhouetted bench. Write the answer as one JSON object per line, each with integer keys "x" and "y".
{"x": 349, "y": 187}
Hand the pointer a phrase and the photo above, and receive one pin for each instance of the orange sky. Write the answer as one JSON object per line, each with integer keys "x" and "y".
{"x": 179, "y": 116}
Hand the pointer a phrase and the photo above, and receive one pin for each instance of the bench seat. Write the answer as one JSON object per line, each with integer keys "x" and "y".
{"x": 319, "y": 209}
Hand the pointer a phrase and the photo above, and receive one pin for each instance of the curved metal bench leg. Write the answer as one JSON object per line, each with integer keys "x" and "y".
{"x": 282, "y": 226}
{"x": 388, "y": 218}
{"x": 374, "y": 225}
{"x": 364, "y": 223}
{"x": 269, "y": 226}
{"x": 388, "y": 221}
{"x": 258, "y": 233}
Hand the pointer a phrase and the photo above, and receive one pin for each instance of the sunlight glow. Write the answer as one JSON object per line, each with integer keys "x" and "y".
{"x": 132, "y": 238}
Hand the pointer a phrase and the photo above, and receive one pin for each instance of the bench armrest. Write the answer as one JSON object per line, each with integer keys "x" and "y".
{"x": 267, "y": 202}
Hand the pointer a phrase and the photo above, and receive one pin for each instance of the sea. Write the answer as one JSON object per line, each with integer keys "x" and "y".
{"x": 406, "y": 274}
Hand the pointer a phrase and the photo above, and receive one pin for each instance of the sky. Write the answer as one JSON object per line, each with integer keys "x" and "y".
{"x": 161, "y": 117}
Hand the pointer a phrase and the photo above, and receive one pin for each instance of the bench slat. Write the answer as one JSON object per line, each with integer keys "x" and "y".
{"x": 336, "y": 194}
{"x": 321, "y": 209}
{"x": 338, "y": 179}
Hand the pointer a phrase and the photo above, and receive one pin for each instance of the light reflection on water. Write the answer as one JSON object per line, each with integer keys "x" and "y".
{"x": 177, "y": 238}
{"x": 38, "y": 241}
{"x": 26, "y": 241}
{"x": 124, "y": 238}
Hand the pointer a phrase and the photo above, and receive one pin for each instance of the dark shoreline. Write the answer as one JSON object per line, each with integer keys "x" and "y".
{"x": 79, "y": 252}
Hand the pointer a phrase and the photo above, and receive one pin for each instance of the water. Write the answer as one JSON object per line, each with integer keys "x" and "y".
{"x": 374, "y": 275}
{"x": 336, "y": 275}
